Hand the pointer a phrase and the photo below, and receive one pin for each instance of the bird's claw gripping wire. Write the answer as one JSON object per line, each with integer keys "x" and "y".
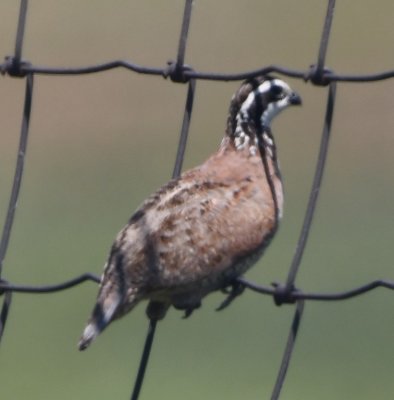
{"x": 234, "y": 290}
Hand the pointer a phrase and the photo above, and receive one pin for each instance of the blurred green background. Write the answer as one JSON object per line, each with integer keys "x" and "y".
{"x": 100, "y": 144}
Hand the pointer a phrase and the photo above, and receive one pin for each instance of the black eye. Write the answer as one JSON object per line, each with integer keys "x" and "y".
{"x": 277, "y": 92}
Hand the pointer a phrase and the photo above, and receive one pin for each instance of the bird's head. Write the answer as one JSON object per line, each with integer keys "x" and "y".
{"x": 256, "y": 103}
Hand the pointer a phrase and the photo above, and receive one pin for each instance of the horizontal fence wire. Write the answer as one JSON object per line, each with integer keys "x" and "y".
{"x": 10, "y": 67}
{"x": 282, "y": 293}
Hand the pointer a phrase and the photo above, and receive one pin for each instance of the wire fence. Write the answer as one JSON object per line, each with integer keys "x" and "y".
{"x": 283, "y": 293}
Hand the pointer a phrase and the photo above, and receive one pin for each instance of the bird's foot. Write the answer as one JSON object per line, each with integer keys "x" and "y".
{"x": 187, "y": 304}
{"x": 188, "y": 313}
{"x": 189, "y": 309}
{"x": 156, "y": 310}
{"x": 233, "y": 291}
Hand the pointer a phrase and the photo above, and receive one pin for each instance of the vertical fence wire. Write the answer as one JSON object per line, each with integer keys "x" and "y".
{"x": 315, "y": 191}
{"x": 325, "y": 37}
{"x": 20, "y": 31}
{"x": 288, "y": 352}
{"x": 180, "y": 154}
{"x": 303, "y": 239}
{"x": 9, "y": 219}
{"x": 20, "y": 162}
{"x": 144, "y": 359}
{"x": 23, "y": 136}
{"x": 4, "y": 311}
{"x": 180, "y": 60}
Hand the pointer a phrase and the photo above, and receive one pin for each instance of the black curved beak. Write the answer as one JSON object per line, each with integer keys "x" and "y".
{"x": 295, "y": 99}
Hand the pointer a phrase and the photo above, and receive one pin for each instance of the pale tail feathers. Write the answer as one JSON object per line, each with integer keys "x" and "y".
{"x": 90, "y": 332}
{"x": 105, "y": 311}
{"x": 97, "y": 323}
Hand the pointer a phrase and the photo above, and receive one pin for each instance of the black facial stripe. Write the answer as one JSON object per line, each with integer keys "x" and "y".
{"x": 258, "y": 104}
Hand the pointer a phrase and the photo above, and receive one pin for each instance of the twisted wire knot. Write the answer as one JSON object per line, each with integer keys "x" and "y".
{"x": 176, "y": 72}
{"x": 318, "y": 76}
{"x": 283, "y": 294}
{"x": 14, "y": 67}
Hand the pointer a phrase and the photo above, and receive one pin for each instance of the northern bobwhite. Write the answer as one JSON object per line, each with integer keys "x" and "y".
{"x": 200, "y": 231}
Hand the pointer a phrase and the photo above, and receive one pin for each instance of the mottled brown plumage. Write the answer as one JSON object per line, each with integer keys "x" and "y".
{"x": 199, "y": 232}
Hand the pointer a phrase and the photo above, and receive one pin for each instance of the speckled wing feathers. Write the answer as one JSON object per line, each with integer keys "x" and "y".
{"x": 196, "y": 229}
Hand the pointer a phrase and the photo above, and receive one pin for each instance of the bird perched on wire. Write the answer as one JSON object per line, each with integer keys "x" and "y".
{"x": 201, "y": 231}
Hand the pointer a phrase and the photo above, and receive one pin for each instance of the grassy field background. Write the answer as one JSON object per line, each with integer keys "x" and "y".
{"x": 100, "y": 144}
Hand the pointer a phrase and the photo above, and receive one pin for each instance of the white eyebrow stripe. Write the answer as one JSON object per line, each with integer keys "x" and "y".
{"x": 264, "y": 87}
